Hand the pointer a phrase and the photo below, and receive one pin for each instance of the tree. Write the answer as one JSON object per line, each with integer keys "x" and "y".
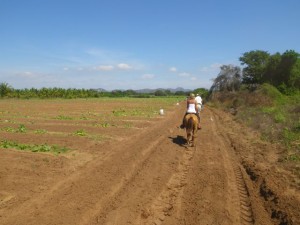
{"x": 256, "y": 62}
{"x": 294, "y": 80}
{"x": 5, "y": 89}
{"x": 180, "y": 93}
{"x": 229, "y": 79}
{"x": 288, "y": 68}
{"x": 160, "y": 92}
{"x": 281, "y": 71}
{"x": 272, "y": 69}
{"x": 202, "y": 92}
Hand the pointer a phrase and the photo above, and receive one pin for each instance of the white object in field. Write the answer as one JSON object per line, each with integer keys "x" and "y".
{"x": 177, "y": 103}
{"x": 161, "y": 112}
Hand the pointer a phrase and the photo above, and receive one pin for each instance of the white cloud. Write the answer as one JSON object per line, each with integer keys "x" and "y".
{"x": 28, "y": 75}
{"x": 123, "y": 66}
{"x": 184, "y": 74}
{"x": 173, "y": 69}
{"x": 148, "y": 76}
{"x": 193, "y": 78}
{"x": 66, "y": 68}
{"x": 216, "y": 65}
{"x": 211, "y": 68}
{"x": 104, "y": 68}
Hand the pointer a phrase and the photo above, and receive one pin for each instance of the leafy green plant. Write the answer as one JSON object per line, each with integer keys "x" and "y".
{"x": 83, "y": 117}
{"x": 136, "y": 112}
{"x": 290, "y": 137}
{"x": 62, "y": 117}
{"x": 40, "y": 131}
{"x": 279, "y": 118}
{"x": 120, "y": 112}
{"x": 33, "y": 147}
{"x": 293, "y": 157}
{"x": 296, "y": 128}
{"x": 9, "y": 129}
{"x": 22, "y": 128}
{"x": 268, "y": 110}
{"x": 105, "y": 125}
{"x": 80, "y": 132}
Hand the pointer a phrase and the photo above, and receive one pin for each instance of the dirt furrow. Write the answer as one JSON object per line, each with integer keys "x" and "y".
{"x": 150, "y": 178}
{"x": 94, "y": 188}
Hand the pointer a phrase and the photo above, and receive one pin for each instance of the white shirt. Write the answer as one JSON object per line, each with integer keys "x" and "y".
{"x": 191, "y": 108}
{"x": 198, "y": 100}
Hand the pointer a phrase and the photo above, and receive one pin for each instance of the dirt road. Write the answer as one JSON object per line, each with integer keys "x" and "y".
{"x": 230, "y": 177}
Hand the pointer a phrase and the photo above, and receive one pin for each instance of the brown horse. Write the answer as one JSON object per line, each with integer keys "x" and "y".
{"x": 191, "y": 126}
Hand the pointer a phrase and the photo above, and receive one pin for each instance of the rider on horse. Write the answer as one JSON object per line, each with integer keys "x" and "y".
{"x": 191, "y": 105}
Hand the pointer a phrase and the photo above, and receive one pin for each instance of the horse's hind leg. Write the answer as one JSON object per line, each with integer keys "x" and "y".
{"x": 188, "y": 138}
{"x": 193, "y": 140}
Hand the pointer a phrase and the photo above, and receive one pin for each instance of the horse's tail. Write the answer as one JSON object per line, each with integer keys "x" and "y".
{"x": 190, "y": 123}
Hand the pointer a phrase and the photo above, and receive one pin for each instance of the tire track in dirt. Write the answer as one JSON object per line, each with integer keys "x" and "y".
{"x": 245, "y": 210}
{"x": 168, "y": 201}
{"x": 127, "y": 178}
{"x": 150, "y": 179}
{"x": 215, "y": 192}
{"x": 159, "y": 176}
{"x": 165, "y": 205}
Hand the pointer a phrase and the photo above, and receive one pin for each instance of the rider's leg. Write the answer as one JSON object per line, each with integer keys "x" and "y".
{"x": 182, "y": 124}
{"x": 198, "y": 116}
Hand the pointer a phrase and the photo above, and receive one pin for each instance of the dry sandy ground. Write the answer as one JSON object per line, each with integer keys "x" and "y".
{"x": 150, "y": 177}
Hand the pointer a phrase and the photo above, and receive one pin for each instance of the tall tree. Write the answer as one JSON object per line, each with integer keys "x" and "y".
{"x": 256, "y": 62}
{"x": 288, "y": 61}
{"x": 229, "y": 79}
{"x": 5, "y": 89}
{"x": 294, "y": 80}
{"x": 272, "y": 69}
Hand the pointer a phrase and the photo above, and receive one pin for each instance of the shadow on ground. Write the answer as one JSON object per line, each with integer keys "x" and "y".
{"x": 179, "y": 140}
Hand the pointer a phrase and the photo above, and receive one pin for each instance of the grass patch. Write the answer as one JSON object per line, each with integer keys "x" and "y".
{"x": 62, "y": 117}
{"x": 20, "y": 129}
{"x": 40, "y": 131}
{"x": 273, "y": 114}
{"x": 105, "y": 125}
{"x": 293, "y": 157}
{"x": 80, "y": 132}
{"x": 279, "y": 117}
{"x": 9, "y": 129}
{"x": 119, "y": 112}
{"x": 32, "y": 147}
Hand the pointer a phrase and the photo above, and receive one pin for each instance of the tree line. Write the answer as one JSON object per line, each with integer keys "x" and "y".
{"x": 9, "y": 92}
{"x": 279, "y": 70}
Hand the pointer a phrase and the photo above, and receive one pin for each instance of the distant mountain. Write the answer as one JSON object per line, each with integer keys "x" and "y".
{"x": 148, "y": 90}
{"x": 100, "y": 90}
{"x": 172, "y": 90}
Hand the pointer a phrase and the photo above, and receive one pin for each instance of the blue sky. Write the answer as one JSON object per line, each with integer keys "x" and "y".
{"x": 135, "y": 44}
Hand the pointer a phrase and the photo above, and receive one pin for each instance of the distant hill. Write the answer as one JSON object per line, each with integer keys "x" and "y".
{"x": 100, "y": 90}
{"x": 172, "y": 90}
{"x": 147, "y": 90}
